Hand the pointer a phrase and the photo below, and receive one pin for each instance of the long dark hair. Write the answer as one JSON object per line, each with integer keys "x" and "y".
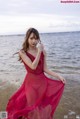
{"x": 25, "y": 44}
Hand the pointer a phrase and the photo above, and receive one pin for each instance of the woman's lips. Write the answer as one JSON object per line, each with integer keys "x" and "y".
{"x": 33, "y": 44}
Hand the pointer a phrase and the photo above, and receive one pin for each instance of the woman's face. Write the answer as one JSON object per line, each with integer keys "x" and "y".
{"x": 33, "y": 41}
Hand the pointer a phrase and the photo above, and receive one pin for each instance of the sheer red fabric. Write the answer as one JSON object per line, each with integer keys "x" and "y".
{"x": 37, "y": 97}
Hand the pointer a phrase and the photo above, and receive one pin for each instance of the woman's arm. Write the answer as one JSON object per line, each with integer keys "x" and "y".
{"x": 46, "y": 70}
{"x": 28, "y": 61}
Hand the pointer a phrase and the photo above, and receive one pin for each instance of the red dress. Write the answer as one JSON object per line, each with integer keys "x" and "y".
{"x": 38, "y": 96}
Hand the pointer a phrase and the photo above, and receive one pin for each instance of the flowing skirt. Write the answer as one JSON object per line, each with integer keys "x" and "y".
{"x": 36, "y": 99}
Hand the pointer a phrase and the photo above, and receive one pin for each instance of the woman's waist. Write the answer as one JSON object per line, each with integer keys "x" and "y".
{"x": 36, "y": 73}
{"x": 35, "y": 76}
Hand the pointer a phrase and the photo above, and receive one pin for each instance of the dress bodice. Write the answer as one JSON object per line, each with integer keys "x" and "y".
{"x": 39, "y": 68}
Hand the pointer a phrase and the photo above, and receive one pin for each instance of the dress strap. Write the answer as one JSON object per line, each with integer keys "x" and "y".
{"x": 31, "y": 54}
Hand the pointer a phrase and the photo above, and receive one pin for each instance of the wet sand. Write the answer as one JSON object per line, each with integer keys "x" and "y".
{"x": 69, "y": 104}
{"x": 5, "y": 94}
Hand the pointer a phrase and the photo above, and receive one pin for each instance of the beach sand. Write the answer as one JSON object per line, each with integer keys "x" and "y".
{"x": 5, "y": 94}
{"x": 69, "y": 103}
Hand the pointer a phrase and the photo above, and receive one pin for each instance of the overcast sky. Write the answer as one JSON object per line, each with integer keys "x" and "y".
{"x": 16, "y": 16}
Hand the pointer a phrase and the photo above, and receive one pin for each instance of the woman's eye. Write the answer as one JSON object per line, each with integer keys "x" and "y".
{"x": 31, "y": 38}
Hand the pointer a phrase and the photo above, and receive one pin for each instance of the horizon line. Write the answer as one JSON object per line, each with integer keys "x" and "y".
{"x": 19, "y": 34}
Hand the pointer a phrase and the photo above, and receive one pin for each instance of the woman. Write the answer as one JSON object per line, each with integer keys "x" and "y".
{"x": 39, "y": 95}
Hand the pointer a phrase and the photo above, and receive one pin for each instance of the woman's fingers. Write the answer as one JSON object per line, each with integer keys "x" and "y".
{"x": 40, "y": 46}
{"x": 64, "y": 81}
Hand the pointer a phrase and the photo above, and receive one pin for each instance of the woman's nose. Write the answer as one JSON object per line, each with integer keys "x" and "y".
{"x": 34, "y": 40}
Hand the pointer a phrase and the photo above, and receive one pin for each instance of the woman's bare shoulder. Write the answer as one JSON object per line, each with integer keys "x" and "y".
{"x": 23, "y": 55}
{"x": 22, "y": 52}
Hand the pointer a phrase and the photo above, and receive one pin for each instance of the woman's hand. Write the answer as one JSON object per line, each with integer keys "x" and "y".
{"x": 62, "y": 79}
{"x": 40, "y": 47}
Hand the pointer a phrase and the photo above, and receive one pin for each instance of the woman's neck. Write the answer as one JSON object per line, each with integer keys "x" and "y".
{"x": 32, "y": 48}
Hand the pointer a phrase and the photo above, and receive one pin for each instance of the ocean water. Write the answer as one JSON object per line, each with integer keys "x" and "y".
{"x": 63, "y": 56}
